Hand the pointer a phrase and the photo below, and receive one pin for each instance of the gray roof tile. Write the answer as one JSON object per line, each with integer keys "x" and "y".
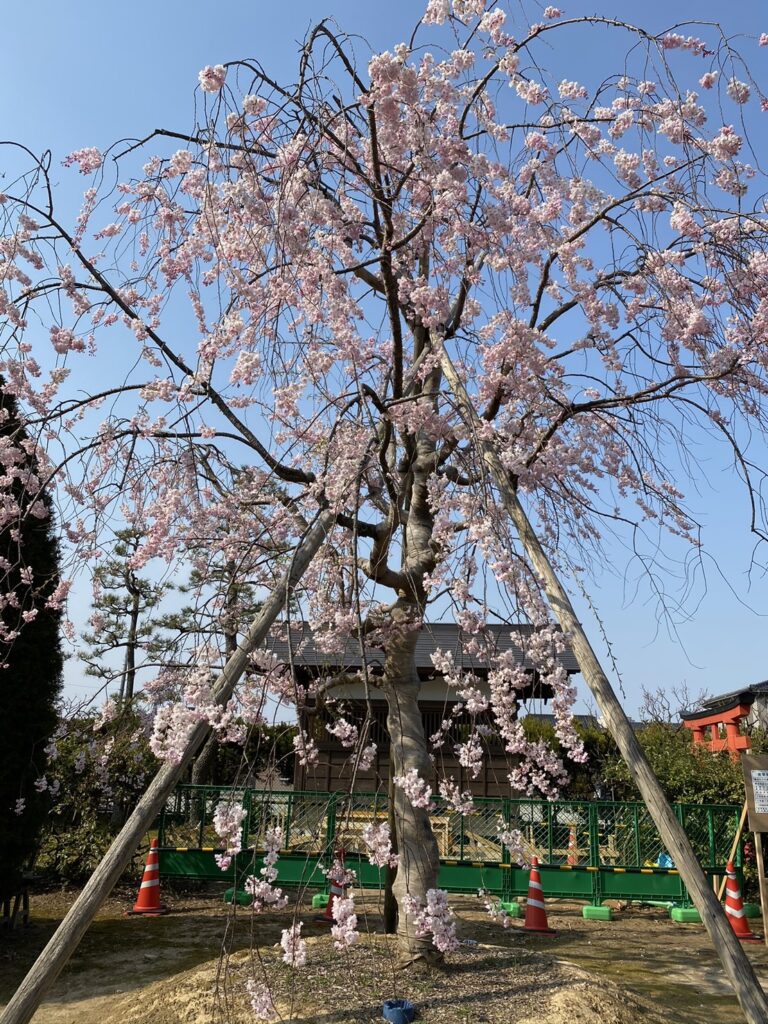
{"x": 445, "y": 635}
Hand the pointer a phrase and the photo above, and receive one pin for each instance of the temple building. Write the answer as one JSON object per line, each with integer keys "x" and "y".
{"x": 436, "y": 699}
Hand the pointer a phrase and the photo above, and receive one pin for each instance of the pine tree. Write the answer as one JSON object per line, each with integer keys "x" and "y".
{"x": 30, "y": 649}
{"x": 224, "y": 599}
{"x": 123, "y": 618}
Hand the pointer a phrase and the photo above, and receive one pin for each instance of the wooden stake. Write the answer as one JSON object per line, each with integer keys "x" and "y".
{"x": 65, "y": 939}
{"x": 736, "y": 841}
{"x": 735, "y": 961}
{"x": 762, "y": 881}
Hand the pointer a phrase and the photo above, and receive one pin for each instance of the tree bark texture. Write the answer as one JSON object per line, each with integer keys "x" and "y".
{"x": 48, "y": 965}
{"x": 416, "y": 845}
{"x": 735, "y": 961}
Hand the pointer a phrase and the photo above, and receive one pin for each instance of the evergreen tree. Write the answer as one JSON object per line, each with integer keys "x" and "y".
{"x": 224, "y": 600}
{"x": 122, "y": 618}
{"x": 30, "y": 650}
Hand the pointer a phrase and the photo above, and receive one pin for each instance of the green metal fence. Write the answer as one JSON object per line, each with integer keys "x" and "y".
{"x": 588, "y": 850}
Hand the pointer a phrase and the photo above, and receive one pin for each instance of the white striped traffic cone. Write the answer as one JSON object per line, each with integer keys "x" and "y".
{"x": 148, "y": 901}
{"x": 535, "y": 914}
{"x": 734, "y": 907}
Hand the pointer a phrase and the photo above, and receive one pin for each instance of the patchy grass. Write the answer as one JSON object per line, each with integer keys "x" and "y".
{"x": 481, "y": 985}
{"x": 192, "y": 965}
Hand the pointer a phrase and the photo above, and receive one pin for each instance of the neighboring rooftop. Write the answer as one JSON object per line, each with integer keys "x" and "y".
{"x": 726, "y": 701}
{"x": 587, "y": 721}
{"x": 444, "y": 635}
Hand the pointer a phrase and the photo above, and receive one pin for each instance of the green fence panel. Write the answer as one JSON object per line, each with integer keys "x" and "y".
{"x": 587, "y": 850}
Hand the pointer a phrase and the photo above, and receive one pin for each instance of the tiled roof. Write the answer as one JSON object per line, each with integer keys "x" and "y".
{"x": 724, "y": 701}
{"x": 434, "y": 635}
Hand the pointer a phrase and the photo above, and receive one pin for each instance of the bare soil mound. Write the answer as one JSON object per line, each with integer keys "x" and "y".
{"x": 481, "y": 984}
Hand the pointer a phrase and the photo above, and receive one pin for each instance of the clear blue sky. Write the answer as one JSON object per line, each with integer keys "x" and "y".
{"x": 88, "y": 73}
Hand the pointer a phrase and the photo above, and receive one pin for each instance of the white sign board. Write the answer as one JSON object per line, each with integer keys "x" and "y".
{"x": 760, "y": 789}
{"x": 755, "y": 768}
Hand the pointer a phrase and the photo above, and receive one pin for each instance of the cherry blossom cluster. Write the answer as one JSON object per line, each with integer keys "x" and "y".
{"x": 339, "y": 873}
{"x": 461, "y": 803}
{"x": 265, "y": 893}
{"x": 88, "y": 159}
{"x": 418, "y": 790}
{"x": 513, "y": 840}
{"x": 228, "y": 825}
{"x": 294, "y": 947}
{"x": 344, "y": 731}
{"x": 434, "y": 917}
{"x": 212, "y": 78}
{"x": 261, "y": 1000}
{"x": 367, "y": 757}
{"x": 494, "y": 909}
{"x": 306, "y": 748}
{"x": 378, "y": 845}
{"x": 344, "y": 929}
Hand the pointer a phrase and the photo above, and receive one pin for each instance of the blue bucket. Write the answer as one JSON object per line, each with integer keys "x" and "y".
{"x": 398, "y": 1011}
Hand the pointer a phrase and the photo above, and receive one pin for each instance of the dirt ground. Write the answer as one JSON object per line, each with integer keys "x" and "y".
{"x": 641, "y": 967}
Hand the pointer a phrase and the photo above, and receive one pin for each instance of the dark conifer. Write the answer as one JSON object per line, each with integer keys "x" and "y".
{"x": 30, "y": 648}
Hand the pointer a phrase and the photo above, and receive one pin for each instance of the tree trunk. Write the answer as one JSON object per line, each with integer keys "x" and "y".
{"x": 416, "y": 845}
{"x": 129, "y": 669}
{"x": 390, "y": 873}
{"x": 735, "y": 961}
{"x": 201, "y": 769}
{"x": 204, "y": 762}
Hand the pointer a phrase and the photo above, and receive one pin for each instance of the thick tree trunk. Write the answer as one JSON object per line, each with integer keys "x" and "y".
{"x": 416, "y": 844}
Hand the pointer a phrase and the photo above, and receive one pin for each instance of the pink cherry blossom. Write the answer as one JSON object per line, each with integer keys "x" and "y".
{"x": 738, "y": 91}
{"x": 227, "y": 823}
{"x": 261, "y": 1001}
{"x": 344, "y": 929}
{"x": 88, "y": 160}
{"x": 212, "y": 78}
{"x": 418, "y": 791}
{"x": 378, "y": 844}
{"x": 434, "y": 917}
{"x": 294, "y": 947}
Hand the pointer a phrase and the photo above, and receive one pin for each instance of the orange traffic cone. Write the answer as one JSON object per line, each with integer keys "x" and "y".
{"x": 535, "y": 914}
{"x": 338, "y": 890}
{"x": 148, "y": 900}
{"x": 734, "y": 907}
{"x": 573, "y": 852}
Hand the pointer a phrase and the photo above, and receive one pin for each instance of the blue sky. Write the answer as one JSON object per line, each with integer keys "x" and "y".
{"x": 89, "y": 73}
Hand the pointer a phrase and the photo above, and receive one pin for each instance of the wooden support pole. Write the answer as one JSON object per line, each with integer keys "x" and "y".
{"x": 734, "y": 848}
{"x": 65, "y": 939}
{"x": 762, "y": 882}
{"x": 737, "y": 966}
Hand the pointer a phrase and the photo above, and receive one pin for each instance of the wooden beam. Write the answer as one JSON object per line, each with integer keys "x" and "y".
{"x": 734, "y": 847}
{"x": 65, "y": 939}
{"x": 762, "y": 882}
{"x": 735, "y": 961}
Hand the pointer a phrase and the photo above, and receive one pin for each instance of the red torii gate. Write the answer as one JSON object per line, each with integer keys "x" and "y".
{"x": 729, "y": 718}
